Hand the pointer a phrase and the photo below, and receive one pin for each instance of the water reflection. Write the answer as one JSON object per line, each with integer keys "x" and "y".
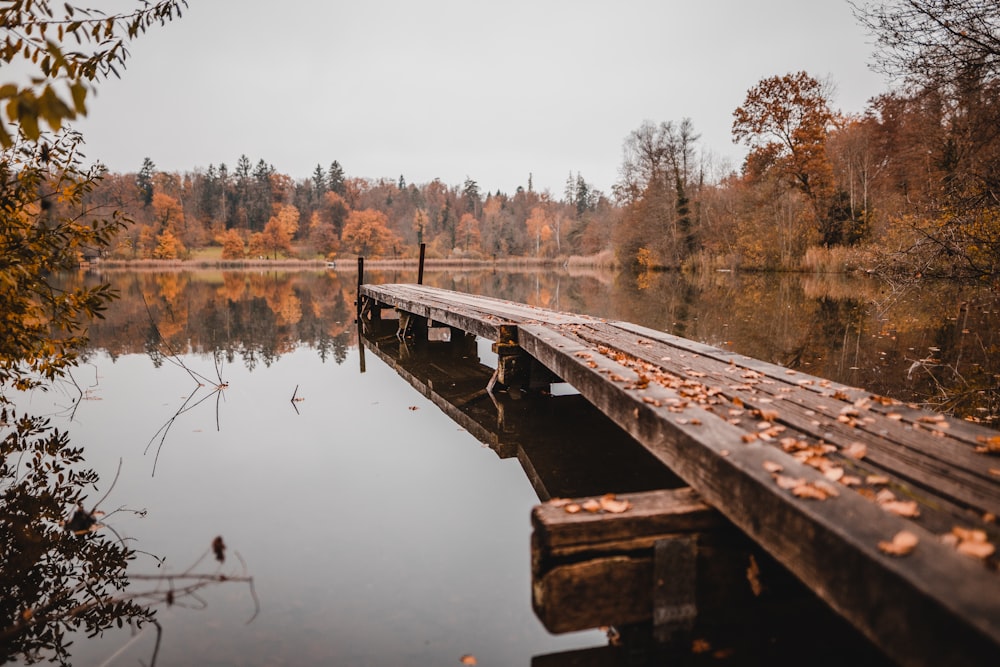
{"x": 937, "y": 344}
{"x": 57, "y": 576}
{"x": 566, "y": 447}
{"x": 381, "y": 534}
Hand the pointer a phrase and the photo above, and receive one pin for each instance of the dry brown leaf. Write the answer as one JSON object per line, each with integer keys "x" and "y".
{"x": 468, "y": 660}
{"x": 833, "y": 474}
{"x": 884, "y": 496}
{"x": 930, "y": 419}
{"x": 558, "y": 502}
{"x": 700, "y": 646}
{"x": 850, "y": 480}
{"x": 786, "y": 482}
{"x": 907, "y": 508}
{"x": 856, "y": 450}
{"x": 991, "y": 444}
{"x": 895, "y": 416}
{"x": 768, "y": 415}
{"x": 902, "y": 544}
{"x": 573, "y": 508}
{"x": 809, "y": 491}
{"x": 876, "y": 479}
{"x": 980, "y": 550}
{"x": 969, "y": 534}
{"x": 610, "y": 504}
{"x": 748, "y": 437}
{"x": 771, "y": 466}
{"x": 591, "y": 505}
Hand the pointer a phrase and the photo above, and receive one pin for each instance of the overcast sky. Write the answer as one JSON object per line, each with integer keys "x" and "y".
{"x": 452, "y": 89}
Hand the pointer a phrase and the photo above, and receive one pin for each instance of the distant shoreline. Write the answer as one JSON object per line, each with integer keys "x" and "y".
{"x": 346, "y": 264}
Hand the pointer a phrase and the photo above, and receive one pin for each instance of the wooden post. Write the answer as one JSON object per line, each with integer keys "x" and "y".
{"x": 420, "y": 267}
{"x": 361, "y": 280}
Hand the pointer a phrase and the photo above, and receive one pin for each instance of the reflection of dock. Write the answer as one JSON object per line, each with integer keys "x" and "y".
{"x": 886, "y": 512}
{"x": 565, "y": 445}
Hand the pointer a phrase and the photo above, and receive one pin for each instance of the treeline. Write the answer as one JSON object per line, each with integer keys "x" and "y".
{"x": 911, "y": 185}
{"x": 255, "y": 211}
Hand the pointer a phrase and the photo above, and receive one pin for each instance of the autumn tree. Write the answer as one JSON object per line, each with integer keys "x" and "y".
{"x": 420, "y": 220}
{"x": 167, "y": 211}
{"x": 785, "y": 121}
{"x": 169, "y": 246}
{"x": 539, "y": 225}
{"x": 948, "y": 55}
{"x": 467, "y": 235}
{"x": 279, "y": 231}
{"x": 323, "y": 236}
{"x": 232, "y": 244}
{"x": 655, "y": 187}
{"x": 367, "y": 233}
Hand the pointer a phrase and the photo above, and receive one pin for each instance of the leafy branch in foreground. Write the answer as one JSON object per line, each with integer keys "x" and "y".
{"x": 66, "y": 49}
{"x": 41, "y": 326}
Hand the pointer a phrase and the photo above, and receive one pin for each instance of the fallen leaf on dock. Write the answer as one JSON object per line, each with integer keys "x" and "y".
{"x": 875, "y": 480}
{"x": 903, "y": 543}
{"x": 856, "y": 450}
{"x": 573, "y": 508}
{"x": 991, "y": 445}
{"x": 786, "y": 482}
{"x": 610, "y": 504}
{"x": 810, "y": 491}
{"x": 558, "y": 502}
{"x": 773, "y": 467}
{"x": 591, "y": 506}
{"x": 905, "y": 508}
{"x": 970, "y": 542}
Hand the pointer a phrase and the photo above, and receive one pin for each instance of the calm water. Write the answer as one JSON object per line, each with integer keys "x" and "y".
{"x": 378, "y": 531}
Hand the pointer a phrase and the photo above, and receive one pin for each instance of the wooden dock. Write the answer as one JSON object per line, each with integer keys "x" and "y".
{"x": 888, "y": 513}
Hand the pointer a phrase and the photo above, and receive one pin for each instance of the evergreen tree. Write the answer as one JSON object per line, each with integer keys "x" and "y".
{"x": 145, "y": 181}
{"x": 319, "y": 181}
{"x": 335, "y": 179}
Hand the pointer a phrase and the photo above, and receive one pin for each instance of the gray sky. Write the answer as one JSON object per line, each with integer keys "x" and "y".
{"x": 452, "y": 89}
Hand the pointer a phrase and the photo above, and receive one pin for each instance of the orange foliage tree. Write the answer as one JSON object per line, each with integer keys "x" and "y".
{"x": 169, "y": 246}
{"x": 279, "y": 231}
{"x": 467, "y": 235}
{"x": 232, "y": 244}
{"x": 785, "y": 121}
{"x": 367, "y": 232}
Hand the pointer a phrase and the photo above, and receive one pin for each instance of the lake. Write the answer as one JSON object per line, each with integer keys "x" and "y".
{"x": 377, "y": 531}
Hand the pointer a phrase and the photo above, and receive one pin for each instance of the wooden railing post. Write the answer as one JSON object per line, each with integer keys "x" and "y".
{"x": 420, "y": 267}
{"x": 361, "y": 280}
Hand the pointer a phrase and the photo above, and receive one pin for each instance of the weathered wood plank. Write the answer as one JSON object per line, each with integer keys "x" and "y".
{"x": 904, "y": 604}
{"x": 652, "y": 515}
{"x": 933, "y": 461}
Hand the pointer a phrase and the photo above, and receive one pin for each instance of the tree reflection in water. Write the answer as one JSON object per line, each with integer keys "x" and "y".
{"x": 65, "y": 575}
{"x": 55, "y": 580}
